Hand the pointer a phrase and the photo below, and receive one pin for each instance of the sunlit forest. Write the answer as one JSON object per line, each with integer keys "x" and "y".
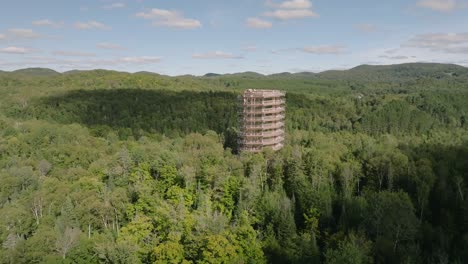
{"x": 113, "y": 167}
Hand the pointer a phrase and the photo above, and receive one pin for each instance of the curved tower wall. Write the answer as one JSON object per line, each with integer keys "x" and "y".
{"x": 262, "y": 120}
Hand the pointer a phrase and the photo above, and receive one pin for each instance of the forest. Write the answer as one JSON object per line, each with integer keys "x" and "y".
{"x": 113, "y": 167}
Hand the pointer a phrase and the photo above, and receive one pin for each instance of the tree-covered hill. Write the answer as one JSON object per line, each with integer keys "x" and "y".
{"x": 111, "y": 167}
{"x": 210, "y": 74}
{"x": 364, "y": 73}
{"x": 373, "y": 73}
{"x": 364, "y": 78}
{"x": 36, "y": 72}
{"x": 399, "y": 73}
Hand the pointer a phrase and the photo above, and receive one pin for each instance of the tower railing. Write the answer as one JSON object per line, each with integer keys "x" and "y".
{"x": 262, "y": 120}
{"x": 265, "y": 118}
{"x": 272, "y": 110}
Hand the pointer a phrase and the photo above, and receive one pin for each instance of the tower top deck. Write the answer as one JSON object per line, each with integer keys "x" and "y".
{"x": 254, "y": 93}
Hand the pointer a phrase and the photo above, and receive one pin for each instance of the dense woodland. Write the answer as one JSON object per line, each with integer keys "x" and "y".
{"x": 111, "y": 167}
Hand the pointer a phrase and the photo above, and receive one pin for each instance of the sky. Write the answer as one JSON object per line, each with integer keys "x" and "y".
{"x": 200, "y": 36}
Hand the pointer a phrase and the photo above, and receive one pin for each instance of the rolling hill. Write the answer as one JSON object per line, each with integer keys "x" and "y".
{"x": 36, "y": 72}
{"x": 361, "y": 72}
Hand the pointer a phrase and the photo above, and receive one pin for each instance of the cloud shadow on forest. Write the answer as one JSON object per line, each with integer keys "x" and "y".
{"x": 136, "y": 111}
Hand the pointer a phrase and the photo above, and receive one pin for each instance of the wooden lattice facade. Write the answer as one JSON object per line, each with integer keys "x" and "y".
{"x": 262, "y": 120}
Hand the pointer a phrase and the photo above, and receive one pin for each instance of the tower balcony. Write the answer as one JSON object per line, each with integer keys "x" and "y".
{"x": 264, "y": 118}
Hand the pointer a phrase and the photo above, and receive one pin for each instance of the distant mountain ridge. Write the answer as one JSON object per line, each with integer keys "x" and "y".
{"x": 407, "y": 70}
{"x": 212, "y": 74}
{"x": 398, "y": 70}
{"x": 37, "y": 72}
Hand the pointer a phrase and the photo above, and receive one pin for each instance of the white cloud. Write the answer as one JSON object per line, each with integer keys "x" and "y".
{"x": 254, "y": 22}
{"x": 22, "y": 33}
{"x": 179, "y": 23}
{"x": 109, "y": 46}
{"x": 286, "y": 50}
{"x": 215, "y": 55}
{"x": 114, "y": 6}
{"x": 118, "y": 61}
{"x": 292, "y": 9}
{"x": 47, "y": 22}
{"x": 80, "y": 63}
{"x": 441, "y": 42}
{"x": 14, "y": 34}
{"x": 392, "y": 51}
{"x": 16, "y": 50}
{"x": 169, "y": 18}
{"x": 73, "y": 53}
{"x": 251, "y": 48}
{"x": 286, "y": 14}
{"x": 91, "y": 25}
{"x": 400, "y": 57}
{"x": 156, "y": 14}
{"x": 367, "y": 28}
{"x": 292, "y": 4}
{"x": 330, "y": 49}
{"x": 140, "y": 60}
{"x": 440, "y": 5}
{"x": 406, "y": 54}
{"x": 456, "y": 50}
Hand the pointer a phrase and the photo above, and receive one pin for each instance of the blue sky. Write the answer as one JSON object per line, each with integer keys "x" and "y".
{"x": 199, "y": 36}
